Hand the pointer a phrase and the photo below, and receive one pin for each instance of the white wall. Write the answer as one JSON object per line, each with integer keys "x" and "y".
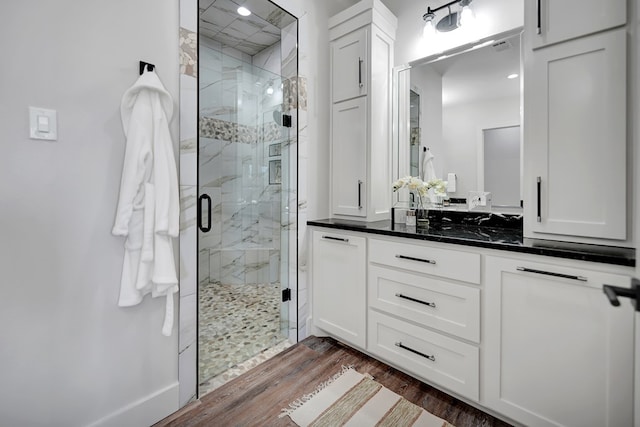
{"x": 461, "y": 132}
{"x": 69, "y": 356}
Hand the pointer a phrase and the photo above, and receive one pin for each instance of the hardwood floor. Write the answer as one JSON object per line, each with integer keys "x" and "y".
{"x": 257, "y": 397}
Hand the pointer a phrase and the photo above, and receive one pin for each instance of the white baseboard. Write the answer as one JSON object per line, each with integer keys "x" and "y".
{"x": 144, "y": 412}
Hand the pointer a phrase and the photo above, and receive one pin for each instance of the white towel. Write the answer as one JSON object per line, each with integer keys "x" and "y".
{"x": 428, "y": 171}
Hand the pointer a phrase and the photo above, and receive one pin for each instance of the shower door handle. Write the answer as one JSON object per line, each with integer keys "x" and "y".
{"x": 206, "y": 198}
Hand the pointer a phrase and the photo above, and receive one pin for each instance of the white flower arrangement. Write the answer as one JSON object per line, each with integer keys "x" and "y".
{"x": 421, "y": 188}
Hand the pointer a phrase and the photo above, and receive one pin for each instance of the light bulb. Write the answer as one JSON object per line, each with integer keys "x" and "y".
{"x": 467, "y": 17}
{"x": 270, "y": 90}
{"x": 428, "y": 29}
{"x": 244, "y": 11}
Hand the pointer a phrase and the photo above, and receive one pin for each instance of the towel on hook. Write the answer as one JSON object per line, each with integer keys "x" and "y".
{"x": 148, "y": 208}
{"x": 428, "y": 171}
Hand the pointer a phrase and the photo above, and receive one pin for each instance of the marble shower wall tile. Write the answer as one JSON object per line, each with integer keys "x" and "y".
{"x": 232, "y": 267}
{"x": 188, "y": 130}
{"x": 269, "y": 59}
{"x": 188, "y": 52}
{"x": 188, "y": 274}
{"x": 204, "y": 275}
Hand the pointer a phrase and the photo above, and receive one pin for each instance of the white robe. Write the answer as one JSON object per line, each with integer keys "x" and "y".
{"x": 148, "y": 211}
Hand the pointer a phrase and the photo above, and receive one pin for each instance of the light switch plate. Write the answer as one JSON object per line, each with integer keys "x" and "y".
{"x": 37, "y": 127}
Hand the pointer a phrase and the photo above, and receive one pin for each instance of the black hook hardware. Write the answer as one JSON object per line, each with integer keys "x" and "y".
{"x": 613, "y": 292}
{"x": 145, "y": 64}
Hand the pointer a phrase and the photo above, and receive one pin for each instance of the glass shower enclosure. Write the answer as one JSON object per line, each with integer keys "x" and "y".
{"x": 247, "y": 83}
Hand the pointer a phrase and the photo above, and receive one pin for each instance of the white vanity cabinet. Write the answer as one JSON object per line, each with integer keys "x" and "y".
{"x": 338, "y": 274}
{"x": 361, "y": 60}
{"x": 555, "y": 352}
{"x": 531, "y": 338}
{"x": 424, "y": 312}
{"x": 553, "y": 21}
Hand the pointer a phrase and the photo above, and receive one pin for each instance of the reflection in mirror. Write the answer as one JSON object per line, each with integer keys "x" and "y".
{"x": 501, "y": 155}
{"x": 414, "y": 131}
{"x": 463, "y": 93}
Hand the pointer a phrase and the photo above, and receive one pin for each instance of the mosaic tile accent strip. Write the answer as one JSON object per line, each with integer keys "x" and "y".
{"x": 236, "y": 323}
{"x": 188, "y": 52}
{"x": 227, "y": 131}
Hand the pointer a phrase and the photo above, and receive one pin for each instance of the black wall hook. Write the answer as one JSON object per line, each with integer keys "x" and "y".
{"x": 144, "y": 64}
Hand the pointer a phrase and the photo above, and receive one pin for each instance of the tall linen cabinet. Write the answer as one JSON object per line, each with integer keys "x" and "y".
{"x": 362, "y": 42}
{"x": 575, "y": 122}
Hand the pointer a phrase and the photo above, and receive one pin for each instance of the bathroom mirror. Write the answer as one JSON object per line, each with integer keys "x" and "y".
{"x": 464, "y": 106}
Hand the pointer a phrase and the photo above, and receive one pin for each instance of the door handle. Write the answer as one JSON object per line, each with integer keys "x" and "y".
{"x": 539, "y": 16}
{"x": 410, "y": 258}
{"x": 207, "y": 228}
{"x": 359, "y": 194}
{"x": 539, "y": 184}
{"x": 430, "y": 304}
{"x": 551, "y": 273}
{"x": 360, "y": 60}
{"x": 419, "y": 353}
{"x": 613, "y": 292}
{"x": 339, "y": 239}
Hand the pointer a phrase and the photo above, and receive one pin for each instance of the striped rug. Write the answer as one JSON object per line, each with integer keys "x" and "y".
{"x": 356, "y": 400}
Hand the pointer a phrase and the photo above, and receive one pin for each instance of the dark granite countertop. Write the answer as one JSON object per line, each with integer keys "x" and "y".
{"x": 507, "y": 238}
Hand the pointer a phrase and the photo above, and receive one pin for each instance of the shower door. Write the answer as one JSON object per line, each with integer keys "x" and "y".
{"x": 246, "y": 139}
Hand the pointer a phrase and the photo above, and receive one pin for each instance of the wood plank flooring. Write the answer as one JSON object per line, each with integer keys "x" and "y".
{"x": 257, "y": 397}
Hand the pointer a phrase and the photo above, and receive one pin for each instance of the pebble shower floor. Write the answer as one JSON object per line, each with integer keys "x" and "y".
{"x": 237, "y": 323}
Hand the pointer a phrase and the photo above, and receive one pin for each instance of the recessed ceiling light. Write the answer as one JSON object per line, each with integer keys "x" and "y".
{"x": 244, "y": 11}
{"x": 512, "y": 76}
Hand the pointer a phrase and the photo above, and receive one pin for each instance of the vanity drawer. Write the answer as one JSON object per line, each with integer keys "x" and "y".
{"x": 456, "y": 265}
{"x": 426, "y": 354}
{"x": 435, "y": 303}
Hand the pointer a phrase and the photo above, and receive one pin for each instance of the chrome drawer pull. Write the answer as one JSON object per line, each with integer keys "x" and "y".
{"x": 426, "y": 356}
{"x": 430, "y": 304}
{"x": 339, "y": 239}
{"x": 549, "y": 273}
{"x": 428, "y": 261}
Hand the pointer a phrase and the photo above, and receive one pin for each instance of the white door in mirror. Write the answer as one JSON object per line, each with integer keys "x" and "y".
{"x": 43, "y": 124}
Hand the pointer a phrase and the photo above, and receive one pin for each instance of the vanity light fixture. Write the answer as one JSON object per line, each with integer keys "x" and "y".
{"x": 270, "y": 88}
{"x": 243, "y": 11}
{"x": 451, "y": 21}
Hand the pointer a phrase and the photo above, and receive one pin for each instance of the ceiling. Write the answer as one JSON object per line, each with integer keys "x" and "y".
{"x": 220, "y": 21}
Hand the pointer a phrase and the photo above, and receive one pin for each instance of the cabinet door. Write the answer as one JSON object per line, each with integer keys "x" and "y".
{"x": 339, "y": 287}
{"x": 553, "y": 21}
{"x": 349, "y": 64}
{"x": 556, "y": 353}
{"x": 575, "y": 138}
{"x": 349, "y": 157}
